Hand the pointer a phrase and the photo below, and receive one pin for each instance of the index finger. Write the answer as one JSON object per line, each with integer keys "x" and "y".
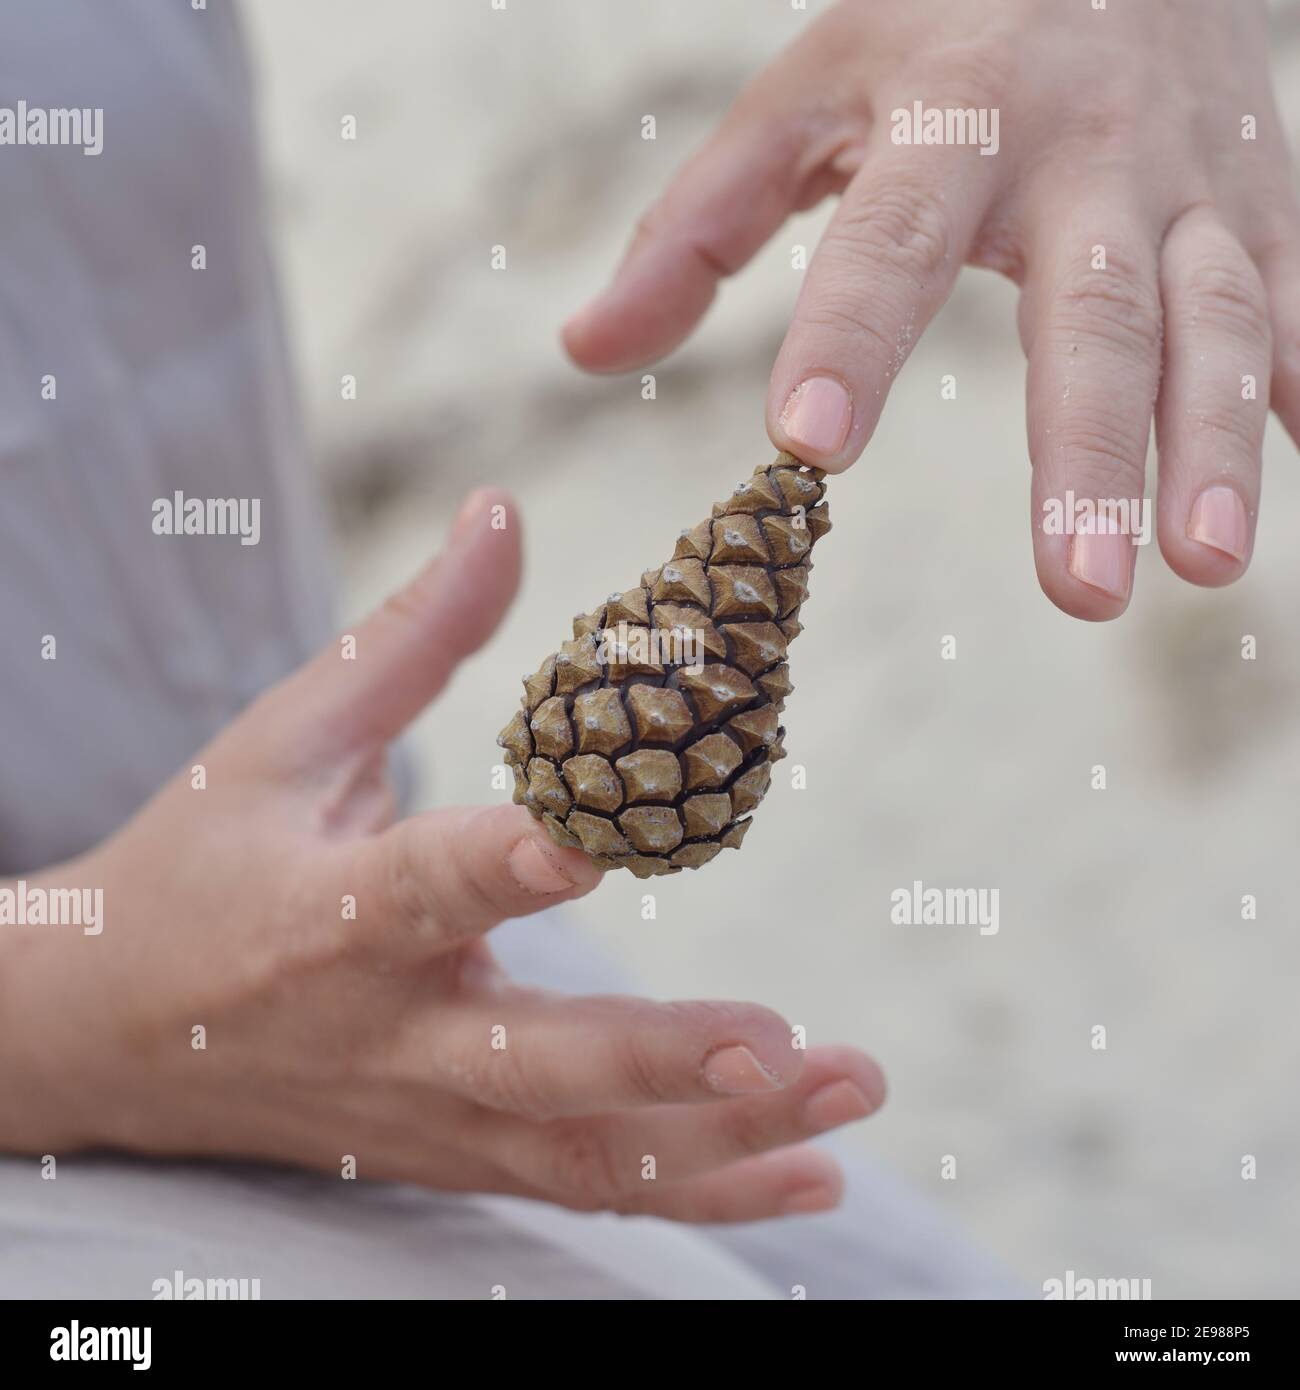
{"x": 885, "y": 265}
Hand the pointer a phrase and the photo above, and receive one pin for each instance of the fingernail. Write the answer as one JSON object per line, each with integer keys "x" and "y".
{"x": 534, "y": 870}
{"x": 1218, "y": 520}
{"x": 1103, "y": 560}
{"x": 735, "y": 1071}
{"x": 817, "y": 416}
{"x": 807, "y": 1200}
{"x": 838, "y": 1103}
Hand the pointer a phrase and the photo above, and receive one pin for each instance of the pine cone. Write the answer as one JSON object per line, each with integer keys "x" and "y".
{"x": 649, "y": 738}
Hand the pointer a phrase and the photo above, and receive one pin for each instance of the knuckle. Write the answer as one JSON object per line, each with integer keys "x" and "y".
{"x": 843, "y": 316}
{"x": 648, "y": 224}
{"x": 1239, "y": 429}
{"x": 464, "y": 907}
{"x": 651, "y": 217}
{"x": 505, "y": 1083}
{"x": 976, "y": 73}
{"x": 748, "y": 1128}
{"x": 331, "y": 939}
{"x": 460, "y": 884}
{"x": 1119, "y": 306}
{"x": 583, "y": 1170}
{"x": 431, "y": 887}
{"x": 413, "y": 602}
{"x": 402, "y": 605}
{"x": 1102, "y": 460}
{"x": 409, "y": 890}
{"x": 901, "y": 228}
{"x": 653, "y": 225}
{"x": 1110, "y": 120}
{"x": 642, "y": 1073}
{"x": 333, "y": 942}
{"x": 1226, "y": 294}
{"x": 469, "y": 889}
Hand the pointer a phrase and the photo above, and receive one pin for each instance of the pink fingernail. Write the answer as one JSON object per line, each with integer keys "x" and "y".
{"x": 810, "y": 1199}
{"x": 817, "y": 416}
{"x": 1104, "y": 561}
{"x": 735, "y": 1071}
{"x": 534, "y": 871}
{"x": 838, "y": 1103}
{"x": 1219, "y": 520}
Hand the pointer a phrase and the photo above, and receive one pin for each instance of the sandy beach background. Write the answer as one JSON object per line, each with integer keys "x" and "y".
{"x": 1119, "y": 908}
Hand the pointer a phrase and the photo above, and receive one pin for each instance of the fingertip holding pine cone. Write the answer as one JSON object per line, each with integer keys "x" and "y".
{"x": 648, "y": 738}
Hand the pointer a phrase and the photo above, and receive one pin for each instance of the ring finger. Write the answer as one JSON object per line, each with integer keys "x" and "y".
{"x": 1213, "y": 399}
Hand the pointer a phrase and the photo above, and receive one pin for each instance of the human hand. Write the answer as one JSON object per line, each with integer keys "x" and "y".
{"x": 1121, "y": 128}
{"x": 388, "y": 1033}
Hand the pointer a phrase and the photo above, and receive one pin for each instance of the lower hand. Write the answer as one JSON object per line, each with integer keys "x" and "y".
{"x": 389, "y": 1033}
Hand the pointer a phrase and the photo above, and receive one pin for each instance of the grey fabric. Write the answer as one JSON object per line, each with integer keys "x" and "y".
{"x": 167, "y": 379}
{"x": 170, "y": 378}
{"x": 113, "y": 1228}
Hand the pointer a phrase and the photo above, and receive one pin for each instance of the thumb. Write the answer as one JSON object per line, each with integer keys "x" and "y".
{"x": 372, "y": 680}
{"x": 437, "y": 879}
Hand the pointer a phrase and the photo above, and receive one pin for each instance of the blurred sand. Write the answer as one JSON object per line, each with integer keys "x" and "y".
{"x": 1119, "y": 908}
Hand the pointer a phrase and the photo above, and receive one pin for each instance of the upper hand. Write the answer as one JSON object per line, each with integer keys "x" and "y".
{"x": 1119, "y": 128}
